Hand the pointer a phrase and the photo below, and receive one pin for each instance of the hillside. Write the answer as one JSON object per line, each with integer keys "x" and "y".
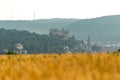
{"x": 105, "y": 28}
{"x": 32, "y": 42}
{"x": 41, "y": 26}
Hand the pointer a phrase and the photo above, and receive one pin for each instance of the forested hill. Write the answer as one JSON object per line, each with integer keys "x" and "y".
{"x": 105, "y": 28}
{"x": 41, "y": 26}
{"x": 33, "y": 43}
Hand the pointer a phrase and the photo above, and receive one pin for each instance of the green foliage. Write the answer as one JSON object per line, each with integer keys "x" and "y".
{"x": 118, "y": 50}
{"x": 34, "y": 43}
{"x": 10, "y": 53}
{"x": 96, "y": 48}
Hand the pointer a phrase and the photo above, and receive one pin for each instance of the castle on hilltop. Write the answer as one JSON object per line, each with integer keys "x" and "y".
{"x": 62, "y": 32}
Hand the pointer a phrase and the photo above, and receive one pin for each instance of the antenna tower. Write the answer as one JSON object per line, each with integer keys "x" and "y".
{"x": 34, "y": 14}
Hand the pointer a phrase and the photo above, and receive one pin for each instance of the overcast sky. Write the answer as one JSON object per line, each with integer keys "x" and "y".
{"x": 24, "y": 9}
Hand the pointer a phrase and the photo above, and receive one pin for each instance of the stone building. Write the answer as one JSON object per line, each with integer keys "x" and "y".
{"x": 62, "y": 32}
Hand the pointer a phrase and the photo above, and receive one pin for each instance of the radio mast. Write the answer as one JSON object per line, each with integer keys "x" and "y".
{"x": 34, "y": 14}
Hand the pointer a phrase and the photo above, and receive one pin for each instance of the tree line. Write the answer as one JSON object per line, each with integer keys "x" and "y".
{"x": 36, "y": 43}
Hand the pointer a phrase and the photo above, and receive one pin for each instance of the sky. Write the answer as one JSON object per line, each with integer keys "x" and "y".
{"x": 44, "y": 9}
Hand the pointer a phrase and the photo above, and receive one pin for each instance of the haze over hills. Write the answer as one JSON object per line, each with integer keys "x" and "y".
{"x": 100, "y": 29}
{"x": 41, "y": 26}
{"x": 105, "y": 28}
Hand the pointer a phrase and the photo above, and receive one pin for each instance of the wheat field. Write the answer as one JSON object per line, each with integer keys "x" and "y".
{"x": 77, "y": 66}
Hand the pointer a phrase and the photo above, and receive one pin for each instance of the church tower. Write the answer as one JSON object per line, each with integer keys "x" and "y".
{"x": 88, "y": 46}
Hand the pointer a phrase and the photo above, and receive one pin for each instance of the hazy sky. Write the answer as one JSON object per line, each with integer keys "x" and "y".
{"x": 24, "y": 9}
